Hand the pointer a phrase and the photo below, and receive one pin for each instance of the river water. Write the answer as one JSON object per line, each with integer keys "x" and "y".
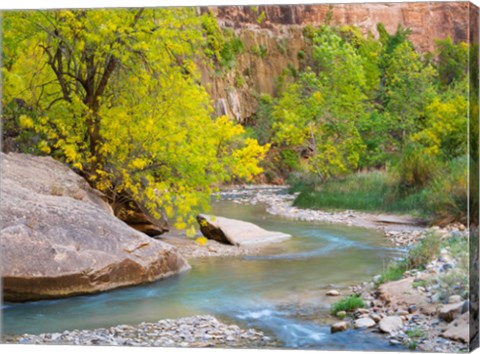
{"x": 280, "y": 292}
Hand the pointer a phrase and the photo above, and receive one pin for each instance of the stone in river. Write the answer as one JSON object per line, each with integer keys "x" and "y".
{"x": 339, "y": 327}
{"x": 236, "y": 232}
{"x": 59, "y": 238}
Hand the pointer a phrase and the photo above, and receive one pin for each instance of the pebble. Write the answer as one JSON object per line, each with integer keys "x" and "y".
{"x": 197, "y": 331}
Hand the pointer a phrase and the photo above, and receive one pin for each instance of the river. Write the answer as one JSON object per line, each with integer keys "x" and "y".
{"x": 280, "y": 291}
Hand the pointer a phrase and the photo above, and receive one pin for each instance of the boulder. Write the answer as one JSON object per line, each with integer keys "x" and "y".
{"x": 401, "y": 293}
{"x": 390, "y": 324}
{"x": 364, "y": 323}
{"x": 339, "y": 327}
{"x": 458, "y": 330}
{"x": 236, "y": 232}
{"x": 451, "y": 311}
{"x": 59, "y": 238}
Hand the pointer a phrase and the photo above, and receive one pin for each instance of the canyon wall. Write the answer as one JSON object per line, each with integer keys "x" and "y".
{"x": 278, "y": 31}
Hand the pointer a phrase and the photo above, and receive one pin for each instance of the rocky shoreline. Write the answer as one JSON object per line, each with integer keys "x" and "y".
{"x": 415, "y": 311}
{"x": 195, "y": 332}
{"x": 402, "y": 230}
{"x": 418, "y": 320}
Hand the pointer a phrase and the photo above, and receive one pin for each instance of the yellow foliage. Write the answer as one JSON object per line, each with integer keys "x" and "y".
{"x": 202, "y": 240}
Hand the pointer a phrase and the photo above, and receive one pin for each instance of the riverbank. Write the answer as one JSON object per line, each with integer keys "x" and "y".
{"x": 194, "y": 332}
{"x": 402, "y": 230}
{"x": 432, "y": 292}
{"x": 427, "y": 308}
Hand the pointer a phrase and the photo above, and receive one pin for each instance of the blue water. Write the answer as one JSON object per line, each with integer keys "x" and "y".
{"x": 267, "y": 292}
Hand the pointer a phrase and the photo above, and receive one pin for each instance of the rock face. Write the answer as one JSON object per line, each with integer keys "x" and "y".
{"x": 427, "y": 20}
{"x": 280, "y": 34}
{"x": 236, "y": 232}
{"x": 59, "y": 238}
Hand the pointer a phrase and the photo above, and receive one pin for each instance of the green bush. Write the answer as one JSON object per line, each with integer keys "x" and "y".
{"x": 415, "y": 169}
{"x": 289, "y": 158}
{"x": 424, "y": 251}
{"x": 349, "y": 303}
{"x": 446, "y": 198}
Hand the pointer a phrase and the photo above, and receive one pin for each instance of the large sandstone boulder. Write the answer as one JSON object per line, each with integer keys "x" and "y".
{"x": 402, "y": 294}
{"x": 459, "y": 329}
{"x": 59, "y": 238}
{"x": 236, "y": 232}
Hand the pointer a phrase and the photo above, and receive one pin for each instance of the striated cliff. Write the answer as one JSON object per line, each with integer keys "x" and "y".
{"x": 273, "y": 37}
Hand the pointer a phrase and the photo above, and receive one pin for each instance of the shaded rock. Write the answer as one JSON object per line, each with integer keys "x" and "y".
{"x": 451, "y": 311}
{"x": 339, "y": 326}
{"x": 390, "y": 324}
{"x": 140, "y": 218}
{"x": 364, "y": 323}
{"x": 60, "y": 238}
{"x": 333, "y": 293}
{"x": 458, "y": 330}
{"x": 377, "y": 318}
{"x": 236, "y": 232}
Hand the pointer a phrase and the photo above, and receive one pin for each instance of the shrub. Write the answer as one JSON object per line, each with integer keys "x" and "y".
{"x": 424, "y": 251}
{"x": 349, "y": 303}
{"x": 447, "y": 196}
{"x": 415, "y": 169}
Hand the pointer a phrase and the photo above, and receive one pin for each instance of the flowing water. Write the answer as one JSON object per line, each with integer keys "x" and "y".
{"x": 280, "y": 292}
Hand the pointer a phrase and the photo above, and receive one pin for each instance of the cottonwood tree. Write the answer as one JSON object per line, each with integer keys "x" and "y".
{"x": 116, "y": 94}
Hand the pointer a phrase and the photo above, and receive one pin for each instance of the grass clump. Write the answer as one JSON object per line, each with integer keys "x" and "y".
{"x": 417, "y": 257}
{"x": 349, "y": 303}
{"x": 415, "y": 333}
{"x": 367, "y": 191}
{"x": 432, "y": 189}
{"x": 393, "y": 272}
{"x": 424, "y": 251}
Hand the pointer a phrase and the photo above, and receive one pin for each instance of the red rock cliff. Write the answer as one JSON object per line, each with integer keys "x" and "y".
{"x": 280, "y": 32}
{"x": 427, "y": 20}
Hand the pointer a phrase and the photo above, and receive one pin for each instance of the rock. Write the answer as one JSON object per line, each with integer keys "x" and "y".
{"x": 390, "y": 324}
{"x": 364, "y": 323}
{"x": 458, "y": 330}
{"x": 451, "y": 311}
{"x": 339, "y": 327}
{"x": 59, "y": 238}
{"x": 375, "y": 317}
{"x": 401, "y": 293}
{"x": 236, "y": 232}
{"x": 454, "y": 299}
{"x": 341, "y": 314}
{"x": 363, "y": 311}
{"x": 333, "y": 293}
{"x": 412, "y": 308}
{"x": 402, "y": 313}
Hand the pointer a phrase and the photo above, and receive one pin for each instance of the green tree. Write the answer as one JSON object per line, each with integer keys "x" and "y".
{"x": 321, "y": 109}
{"x": 116, "y": 94}
{"x": 452, "y": 61}
{"x": 409, "y": 88}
